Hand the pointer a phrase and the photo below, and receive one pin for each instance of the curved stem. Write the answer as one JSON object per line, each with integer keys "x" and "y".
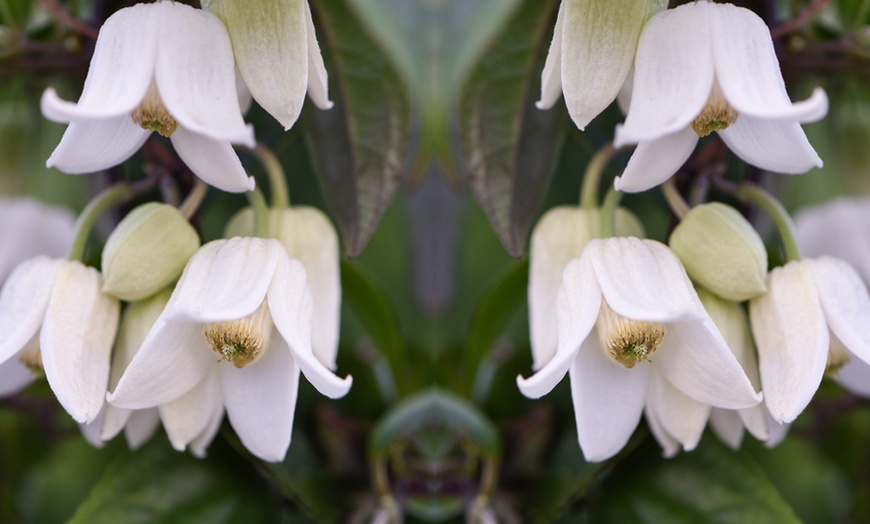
{"x": 261, "y": 212}
{"x": 279, "y": 191}
{"x": 608, "y": 213}
{"x": 105, "y": 199}
{"x": 194, "y": 199}
{"x": 763, "y": 199}
{"x": 592, "y": 177}
{"x": 674, "y": 199}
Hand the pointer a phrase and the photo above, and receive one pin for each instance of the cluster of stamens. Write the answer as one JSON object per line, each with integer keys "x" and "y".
{"x": 716, "y": 115}
{"x": 627, "y": 341}
{"x": 152, "y": 115}
{"x": 241, "y": 341}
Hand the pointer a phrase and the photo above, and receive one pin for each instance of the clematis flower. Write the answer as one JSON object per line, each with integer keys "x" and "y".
{"x": 55, "y": 319}
{"x": 813, "y": 318}
{"x": 277, "y": 53}
{"x": 591, "y": 54}
{"x": 163, "y": 67}
{"x": 633, "y": 336}
{"x": 238, "y": 327}
{"x": 705, "y": 67}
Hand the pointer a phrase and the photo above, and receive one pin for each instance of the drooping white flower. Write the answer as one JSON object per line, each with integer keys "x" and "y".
{"x": 236, "y": 334}
{"x": 813, "y": 317}
{"x": 705, "y": 67}
{"x": 633, "y": 335}
{"x": 162, "y": 67}
{"x": 277, "y": 53}
{"x": 591, "y": 54}
{"x": 54, "y": 317}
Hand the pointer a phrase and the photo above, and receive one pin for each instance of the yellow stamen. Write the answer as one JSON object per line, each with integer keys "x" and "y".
{"x": 152, "y": 115}
{"x": 716, "y": 115}
{"x": 627, "y": 341}
{"x": 241, "y": 341}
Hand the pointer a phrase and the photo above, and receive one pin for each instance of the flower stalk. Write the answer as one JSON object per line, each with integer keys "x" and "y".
{"x": 674, "y": 199}
{"x": 278, "y": 189}
{"x": 592, "y": 177}
{"x": 608, "y": 213}
{"x": 261, "y": 213}
{"x": 761, "y": 198}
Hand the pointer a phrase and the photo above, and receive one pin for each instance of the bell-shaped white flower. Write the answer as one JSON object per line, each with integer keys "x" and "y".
{"x": 591, "y": 54}
{"x": 277, "y": 53}
{"x": 54, "y": 318}
{"x": 236, "y": 334}
{"x": 162, "y": 67}
{"x": 814, "y": 317}
{"x": 705, "y": 67}
{"x": 634, "y": 335}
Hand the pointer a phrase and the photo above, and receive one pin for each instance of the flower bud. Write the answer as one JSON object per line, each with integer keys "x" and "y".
{"x": 147, "y": 251}
{"x": 721, "y": 251}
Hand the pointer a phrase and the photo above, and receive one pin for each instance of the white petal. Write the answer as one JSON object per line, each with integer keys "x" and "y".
{"x": 291, "y": 307}
{"x": 91, "y": 431}
{"x": 560, "y": 235}
{"x": 846, "y": 304}
{"x": 76, "y": 339}
{"x": 727, "y": 426}
{"x": 141, "y": 426}
{"x": 23, "y": 302}
{"x": 308, "y": 236}
{"x": 270, "y": 43}
{"x": 261, "y": 400}
{"x": 189, "y": 415}
{"x": 225, "y": 280}
{"x": 608, "y": 400}
{"x": 792, "y": 339}
{"x": 137, "y": 321}
{"x": 214, "y": 161}
{"x": 643, "y": 280}
{"x": 781, "y": 147}
{"x": 755, "y": 421}
{"x": 598, "y": 48}
{"x": 748, "y": 71}
{"x": 91, "y": 146}
{"x": 318, "y": 79}
{"x": 695, "y": 359}
{"x": 551, "y": 76}
{"x": 114, "y": 420}
{"x": 173, "y": 359}
{"x": 777, "y": 431}
{"x": 203, "y": 441}
{"x": 670, "y": 446}
{"x": 854, "y": 376}
{"x": 836, "y": 228}
{"x": 14, "y": 376}
{"x": 29, "y": 228}
{"x": 577, "y": 306}
{"x": 121, "y": 68}
{"x": 195, "y": 74}
{"x": 683, "y": 417}
{"x": 655, "y": 161}
{"x": 673, "y": 75}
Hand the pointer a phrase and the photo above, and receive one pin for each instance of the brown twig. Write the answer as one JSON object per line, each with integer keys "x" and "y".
{"x": 805, "y": 16}
{"x": 68, "y": 20}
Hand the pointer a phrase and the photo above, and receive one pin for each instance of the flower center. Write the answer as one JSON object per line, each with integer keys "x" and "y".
{"x": 627, "y": 341}
{"x": 838, "y": 356}
{"x": 716, "y": 115}
{"x": 241, "y": 341}
{"x": 31, "y": 356}
{"x": 152, "y": 115}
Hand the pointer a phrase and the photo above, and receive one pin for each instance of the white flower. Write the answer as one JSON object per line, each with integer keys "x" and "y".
{"x": 633, "y": 335}
{"x": 590, "y": 57}
{"x": 236, "y": 334}
{"x": 277, "y": 53}
{"x": 162, "y": 67}
{"x": 705, "y": 67}
{"x": 814, "y": 315}
{"x": 53, "y": 316}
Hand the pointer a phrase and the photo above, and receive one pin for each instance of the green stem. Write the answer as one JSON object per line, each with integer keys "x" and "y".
{"x": 279, "y": 191}
{"x": 608, "y": 213}
{"x": 592, "y": 177}
{"x": 194, "y": 199}
{"x": 107, "y": 198}
{"x": 674, "y": 199}
{"x": 261, "y": 213}
{"x": 763, "y": 199}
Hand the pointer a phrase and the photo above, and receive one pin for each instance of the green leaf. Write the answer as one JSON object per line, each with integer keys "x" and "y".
{"x": 510, "y": 146}
{"x": 709, "y": 484}
{"x": 358, "y": 146}
{"x": 158, "y": 484}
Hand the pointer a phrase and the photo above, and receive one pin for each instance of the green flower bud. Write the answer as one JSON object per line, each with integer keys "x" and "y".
{"x": 721, "y": 251}
{"x": 147, "y": 251}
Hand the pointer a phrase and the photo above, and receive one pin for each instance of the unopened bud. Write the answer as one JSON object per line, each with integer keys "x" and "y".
{"x": 147, "y": 251}
{"x": 721, "y": 251}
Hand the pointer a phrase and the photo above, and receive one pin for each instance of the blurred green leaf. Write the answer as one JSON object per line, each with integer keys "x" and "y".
{"x": 358, "y": 146}
{"x": 709, "y": 484}
{"x": 510, "y": 146}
